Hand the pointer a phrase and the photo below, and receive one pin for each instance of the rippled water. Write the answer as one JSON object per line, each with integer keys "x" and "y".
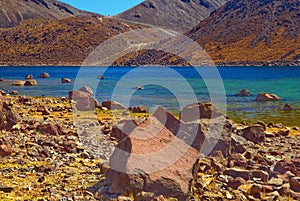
{"x": 171, "y": 87}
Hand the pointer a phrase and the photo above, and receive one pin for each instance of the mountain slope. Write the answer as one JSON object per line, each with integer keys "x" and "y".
{"x": 57, "y": 42}
{"x": 251, "y": 30}
{"x": 178, "y": 15}
{"x": 14, "y": 11}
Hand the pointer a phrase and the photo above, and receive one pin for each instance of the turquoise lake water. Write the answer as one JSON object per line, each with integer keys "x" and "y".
{"x": 175, "y": 87}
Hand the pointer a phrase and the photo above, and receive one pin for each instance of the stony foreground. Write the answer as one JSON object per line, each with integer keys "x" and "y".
{"x": 49, "y": 153}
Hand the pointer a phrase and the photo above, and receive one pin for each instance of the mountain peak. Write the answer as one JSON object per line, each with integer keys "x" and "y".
{"x": 177, "y": 15}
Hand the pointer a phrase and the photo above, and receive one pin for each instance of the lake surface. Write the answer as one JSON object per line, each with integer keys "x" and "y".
{"x": 175, "y": 87}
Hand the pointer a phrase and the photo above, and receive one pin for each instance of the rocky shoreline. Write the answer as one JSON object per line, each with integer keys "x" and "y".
{"x": 49, "y": 151}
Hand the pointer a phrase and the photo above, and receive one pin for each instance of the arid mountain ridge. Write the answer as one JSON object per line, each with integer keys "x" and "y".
{"x": 251, "y": 30}
{"x": 241, "y": 32}
{"x": 12, "y": 12}
{"x": 177, "y": 15}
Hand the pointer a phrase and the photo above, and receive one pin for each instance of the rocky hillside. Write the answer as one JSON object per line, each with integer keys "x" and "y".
{"x": 251, "y": 30}
{"x": 14, "y": 11}
{"x": 57, "y": 42}
{"x": 178, "y": 15}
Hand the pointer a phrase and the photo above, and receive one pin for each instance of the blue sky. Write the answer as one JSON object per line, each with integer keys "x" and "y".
{"x": 104, "y": 7}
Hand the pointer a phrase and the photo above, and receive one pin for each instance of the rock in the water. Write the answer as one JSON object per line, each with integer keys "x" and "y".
{"x": 44, "y": 75}
{"x": 287, "y": 107}
{"x": 101, "y": 77}
{"x": 18, "y": 83}
{"x": 30, "y": 82}
{"x": 139, "y": 87}
{"x": 14, "y": 92}
{"x": 140, "y": 109}
{"x": 87, "y": 89}
{"x": 199, "y": 111}
{"x": 254, "y": 133}
{"x": 113, "y": 105}
{"x": 65, "y": 80}
{"x": 267, "y": 97}
{"x": 29, "y": 77}
{"x": 51, "y": 129}
{"x": 244, "y": 92}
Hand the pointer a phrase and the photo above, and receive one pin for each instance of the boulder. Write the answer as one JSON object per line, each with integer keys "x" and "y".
{"x": 86, "y": 104}
{"x": 244, "y": 93}
{"x": 51, "y": 129}
{"x": 8, "y": 117}
{"x": 287, "y": 107}
{"x": 44, "y": 75}
{"x": 151, "y": 159}
{"x": 158, "y": 155}
{"x": 199, "y": 111}
{"x": 29, "y": 77}
{"x": 18, "y": 83}
{"x": 254, "y": 133}
{"x": 267, "y": 97}
{"x": 140, "y": 109}
{"x": 87, "y": 89}
{"x": 101, "y": 77}
{"x": 78, "y": 95}
{"x": 139, "y": 88}
{"x": 113, "y": 105}
{"x": 65, "y": 80}
{"x": 30, "y": 83}
{"x": 14, "y": 92}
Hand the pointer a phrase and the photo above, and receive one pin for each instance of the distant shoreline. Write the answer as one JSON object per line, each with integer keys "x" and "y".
{"x": 218, "y": 64}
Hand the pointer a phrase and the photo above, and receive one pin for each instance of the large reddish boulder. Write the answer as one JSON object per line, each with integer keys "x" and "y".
{"x": 151, "y": 159}
{"x": 158, "y": 155}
